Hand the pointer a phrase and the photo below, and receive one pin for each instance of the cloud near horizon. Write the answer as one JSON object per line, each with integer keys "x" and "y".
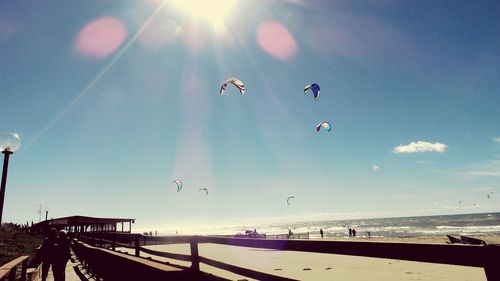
{"x": 420, "y": 146}
{"x": 489, "y": 169}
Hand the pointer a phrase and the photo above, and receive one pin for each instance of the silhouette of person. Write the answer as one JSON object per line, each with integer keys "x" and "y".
{"x": 321, "y": 232}
{"x": 61, "y": 257}
{"x": 48, "y": 252}
{"x": 350, "y": 232}
{"x": 353, "y": 232}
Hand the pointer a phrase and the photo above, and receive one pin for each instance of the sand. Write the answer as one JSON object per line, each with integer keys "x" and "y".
{"x": 314, "y": 266}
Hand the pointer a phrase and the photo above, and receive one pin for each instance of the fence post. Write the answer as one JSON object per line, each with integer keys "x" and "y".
{"x": 491, "y": 256}
{"x": 113, "y": 243}
{"x": 195, "y": 258}
{"x": 24, "y": 269}
{"x": 137, "y": 245}
{"x": 12, "y": 273}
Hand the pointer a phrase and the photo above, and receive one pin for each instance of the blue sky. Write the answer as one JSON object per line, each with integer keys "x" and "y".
{"x": 114, "y": 100}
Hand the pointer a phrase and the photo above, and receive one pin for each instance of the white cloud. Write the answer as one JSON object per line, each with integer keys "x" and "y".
{"x": 490, "y": 168}
{"x": 497, "y": 139}
{"x": 424, "y": 162}
{"x": 375, "y": 168}
{"x": 402, "y": 196}
{"x": 486, "y": 173}
{"x": 421, "y": 146}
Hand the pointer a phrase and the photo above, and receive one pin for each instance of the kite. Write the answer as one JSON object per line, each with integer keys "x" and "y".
{"x": 236, "y": 82}
{"x": 325, "y": 125}
{"x": 204, "y": 189}
{"x": 460, "y": 202}
{"x": 179, "y": 184}
{"x": 490, "y": 194}
{"x": 314, "y": 89}
{"x": 288, "y": 200}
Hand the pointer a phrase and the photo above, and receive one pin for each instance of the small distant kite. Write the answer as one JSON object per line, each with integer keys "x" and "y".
{"x": 325, "y": 125}
{"x": 375, "y": 168}
{"x": 288, "y": 200}
{"x": 179, "y": 184}
{"x": 460, "y": 202}
{"x": 236, "y": 82}
{"x": 314, "y": 89}
{"x": 490, "y": 194}
{"x": 204, "y": 189}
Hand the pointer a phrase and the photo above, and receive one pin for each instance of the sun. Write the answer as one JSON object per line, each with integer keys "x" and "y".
{"x": 213, "y": 12}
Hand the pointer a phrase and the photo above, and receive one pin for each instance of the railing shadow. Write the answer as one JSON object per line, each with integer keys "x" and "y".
{"x": 485, "y": 256}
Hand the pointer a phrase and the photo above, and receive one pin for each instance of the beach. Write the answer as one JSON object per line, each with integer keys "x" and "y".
{"x": 315, "y": 266}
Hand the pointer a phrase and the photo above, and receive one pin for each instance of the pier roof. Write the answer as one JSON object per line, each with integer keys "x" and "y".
{"x": 83, "y": 220}
{"x": 84, "y": 224}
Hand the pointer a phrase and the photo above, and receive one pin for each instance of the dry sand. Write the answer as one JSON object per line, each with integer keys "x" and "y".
{"x": 314, "y": 266}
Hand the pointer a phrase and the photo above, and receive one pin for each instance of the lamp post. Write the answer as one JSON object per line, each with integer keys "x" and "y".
{"x": 9, "y": 143}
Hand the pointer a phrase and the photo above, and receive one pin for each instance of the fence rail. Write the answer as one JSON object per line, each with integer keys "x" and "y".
{"x": 485, "y": 256}
{"x": 8, "y": 271}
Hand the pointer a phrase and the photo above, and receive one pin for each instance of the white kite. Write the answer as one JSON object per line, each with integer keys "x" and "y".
{"x": 325, "y": 125}
{"x": 179, "y": 184}
{"x": 236, "y": 82}
{"x": 204, "y": 189}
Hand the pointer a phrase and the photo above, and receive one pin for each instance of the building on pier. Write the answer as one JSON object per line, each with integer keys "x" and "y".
{"x": 81, "y": 224}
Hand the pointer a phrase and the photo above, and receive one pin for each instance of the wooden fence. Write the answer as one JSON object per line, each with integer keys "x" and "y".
{"x": 9, "y": 271}
{"x": 485, "y": 256}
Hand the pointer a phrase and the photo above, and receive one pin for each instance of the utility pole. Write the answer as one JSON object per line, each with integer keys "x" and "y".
{"x": 39, "y": 212}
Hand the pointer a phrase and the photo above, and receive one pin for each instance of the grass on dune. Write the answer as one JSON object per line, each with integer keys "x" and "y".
{"x": 15, "y": 242}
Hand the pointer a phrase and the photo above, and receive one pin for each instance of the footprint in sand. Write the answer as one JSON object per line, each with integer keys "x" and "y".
{"x": 408, "y": 272}
{"x": 306, "y": 268}
{"x": 328, "y": 268}
{"x": 278, "y": 269}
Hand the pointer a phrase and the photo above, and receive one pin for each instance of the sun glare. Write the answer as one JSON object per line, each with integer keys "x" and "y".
{"x": 213, "y": 11}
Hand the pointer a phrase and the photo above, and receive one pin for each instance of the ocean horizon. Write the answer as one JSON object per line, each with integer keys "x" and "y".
{"x": 456, "y": 224}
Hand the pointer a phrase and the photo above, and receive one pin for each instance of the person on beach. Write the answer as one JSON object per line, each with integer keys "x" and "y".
{"x": 353, "y": 232}
{"x": 62, "y": 256}
{"x": 48, "y": 252}
{"x": 321, "y": 232}
{"x": 350, "y": 232}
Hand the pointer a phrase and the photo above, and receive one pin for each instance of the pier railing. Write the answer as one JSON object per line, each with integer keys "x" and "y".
{"x": 9, "y": 271}
{"x": 485, "y": 256}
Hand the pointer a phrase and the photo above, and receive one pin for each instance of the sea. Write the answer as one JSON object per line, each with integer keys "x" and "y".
{"x": 467, "y": 224}
{"x": 461, "y": 224}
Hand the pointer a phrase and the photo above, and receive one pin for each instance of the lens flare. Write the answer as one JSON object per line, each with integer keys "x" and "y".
{"x": 276, "y": 40}
{"x": 101, "y": 37}
{"x": 213, "y": 12}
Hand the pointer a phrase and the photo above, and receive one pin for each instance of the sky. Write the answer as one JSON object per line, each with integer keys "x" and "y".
{"x": 113, "y": 100}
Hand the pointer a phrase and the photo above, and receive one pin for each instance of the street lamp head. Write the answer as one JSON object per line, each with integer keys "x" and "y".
{"x": 10, "y": 142}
